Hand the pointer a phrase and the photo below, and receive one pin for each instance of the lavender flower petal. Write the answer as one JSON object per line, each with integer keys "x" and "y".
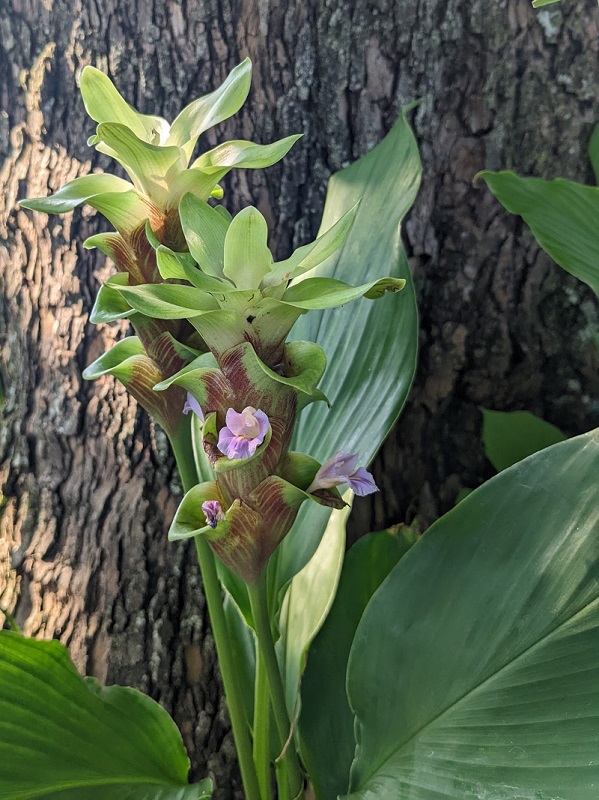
{"x": 334, "y": 471}
{"x": 343, "y": 468}
{"x": 243, "y": 433}
{"x": 191, "y": 404}
{"x": 362, "y": 482}
{"x": 213, "y": 511}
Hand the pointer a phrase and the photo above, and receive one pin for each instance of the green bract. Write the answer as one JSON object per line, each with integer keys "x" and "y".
{"x": 156, "y": 156}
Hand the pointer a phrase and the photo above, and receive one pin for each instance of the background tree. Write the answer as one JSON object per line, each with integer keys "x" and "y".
{"x": 88, "y": 489}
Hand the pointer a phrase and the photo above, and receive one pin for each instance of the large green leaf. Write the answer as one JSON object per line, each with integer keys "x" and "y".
{"x": 562, "y": 216}
{"x": 474, "y": 671}
{"x": 370, "y": 346}
{"x": 594, "y": 152}
{"x": 326, "y": 723}
{"x": 307, "y": 602}
{"x": 510, "y": 436}
{"x": 65, "y": 737}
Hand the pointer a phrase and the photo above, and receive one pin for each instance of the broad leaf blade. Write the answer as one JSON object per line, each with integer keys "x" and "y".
{"x": 370, "y": 346}
{"x": 307, "y": 602}
{"x": 326, "y": 724}
{"x": 510, "y": 436}
{"x": 562, "y": 216}
{"x": 484, "y": 681}
{"x": 594, "y": 152}
{"x": 64, "y": 737}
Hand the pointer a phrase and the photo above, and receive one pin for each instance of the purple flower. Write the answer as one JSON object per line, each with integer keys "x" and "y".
{"x": 191, "y": 404}
{"x": 243, "y": 432}
{"x": 343, "y": 468}
{"x": 213, "y": 511}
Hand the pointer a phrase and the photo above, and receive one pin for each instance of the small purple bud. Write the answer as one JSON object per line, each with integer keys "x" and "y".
{"x": 243, "y": 433}
{"x": 213, "y": 511}
{"x": 343, "y": 468}
{"x": 191, "y": 404}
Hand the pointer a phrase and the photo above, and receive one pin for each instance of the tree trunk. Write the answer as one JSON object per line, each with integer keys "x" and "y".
{"x": 89, "y": 487}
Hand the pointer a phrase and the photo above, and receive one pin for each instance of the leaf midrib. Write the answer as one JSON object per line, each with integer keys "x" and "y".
{"x": 474, "y": 689}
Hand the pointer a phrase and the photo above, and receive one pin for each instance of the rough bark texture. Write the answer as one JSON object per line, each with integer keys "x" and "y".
{"x": 88, "y": 486}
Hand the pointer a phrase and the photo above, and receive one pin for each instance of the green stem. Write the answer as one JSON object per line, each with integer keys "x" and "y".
{"x": 185, "y": 463}
{"x": 261, "y": 727}
{"x": 259, "y": 604}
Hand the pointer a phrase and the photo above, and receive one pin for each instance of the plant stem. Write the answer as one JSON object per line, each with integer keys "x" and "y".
{"x": 185, "y": 463}
{"x": 259, "y": 604}
{"x": 261, "y": 727}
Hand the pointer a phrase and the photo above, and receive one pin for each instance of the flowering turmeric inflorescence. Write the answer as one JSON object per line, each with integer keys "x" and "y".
{"x": 212, "y": 311}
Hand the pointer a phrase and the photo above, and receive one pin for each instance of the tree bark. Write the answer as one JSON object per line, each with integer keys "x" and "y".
{"x": 89, "y": 487}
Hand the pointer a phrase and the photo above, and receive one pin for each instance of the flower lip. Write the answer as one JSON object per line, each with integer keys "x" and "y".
{"x": 243, "y": 433}
{"x": 214, "y": 512}
{"x": 343, "y": 468}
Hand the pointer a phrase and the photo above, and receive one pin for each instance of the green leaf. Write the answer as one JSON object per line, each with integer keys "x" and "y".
{"x": 594, "y": 152}
{"x": 247, "y": 257}
{"x": 561, "y": 215}
{"x": 64, "y": 737}
{"x": 75, "y": 192}
{"x": 243, "y": 644}
{"x": 209, "y": 110}
{"x": 307, "y": 602}
{"x": 168, "y": 301}
{"x": 326, "y": 723}
{"x": 311, "y": 255}
{"x": 110, "y": 304}
{"x": 205, "y": 230}
{"x": 474, "y": 669}
{"x": 541, "y": 3}
{"x": 513, "y": 435}
{"x": 371, "y": 347}
{"x": 103, "y": 103}
{"x": 315, "y": 293}
{"x": 147, "y": 164}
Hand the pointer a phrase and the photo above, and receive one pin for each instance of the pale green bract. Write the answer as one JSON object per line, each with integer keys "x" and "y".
{"x": 156, "y": 155}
